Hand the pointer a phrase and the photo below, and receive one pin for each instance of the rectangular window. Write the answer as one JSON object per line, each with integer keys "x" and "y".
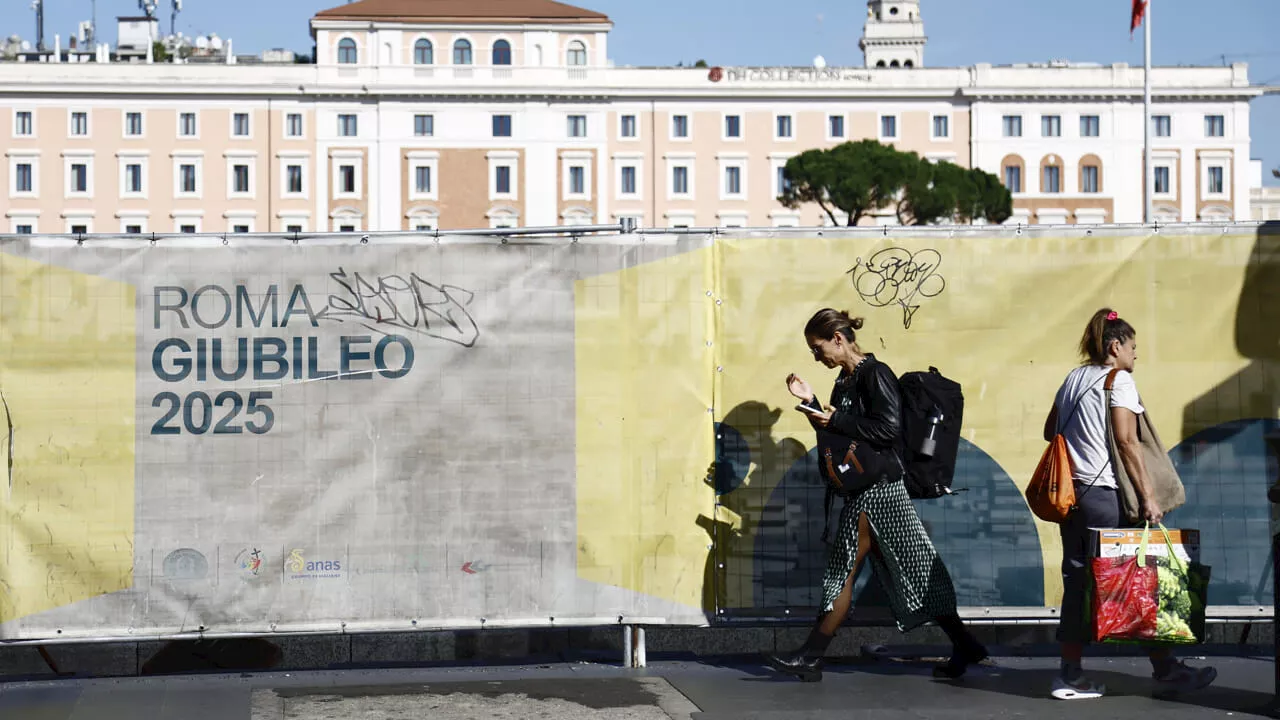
{"x": 1215, "y": 126}
{"x": 293, "y": 228}
{"x": 835, "y": 126}
{"x": 628, "y": 126}
{"x": 1051, "y": 126}
{"x": 941, "y": 126}
{"x": 733, "y": 181}
{"x": 784, "y": 126}
{"x": 240, "y": 175}
{"x": 187, "y": 124}
{"x": 188, "y": 229}
{"x": 347, "y": 179}
{"x": 577, "y": 180}
{"x": 889, "y": 126}
{"x": 1013, "y": 126}
{"x": 80, "y": 229}
{"x": 733, "y": 126}
{"x": 240, "y": 125}
{"x": 1013, "y": 178}
{"x": 1052, "y": 179}
{"x": 1090, "y": 126}
{"x": 680, "y": 126}
{"x": 23, "y": 178}
{"x": 22, "y": 123}
{"x": 629, "y": 180}
{"x": 348, "y": 126}
{"x": 79, "y": 178}
{"x": 133, "y": 229}
{"x": 133, "y": 178}
{"x": 133, "y": 124}
{"x": 502, "y": 179}
{"x": 240, "y": 229}
{"x": 1162, "y": 181}
{"x": 680, "y": 180}
{"x": 783, "y": 183}
{"x": 501, "y": 126}
{"x": 577, "y": 126}
{"x": 23, "y": 229}
{"x": 79, "y": 124}
{"x": 422, "y": 179}
{"x": 293, "y": 125}
{"x": 187, "y": 178}
{"x": 1089, "y": 179}
{"x": 294, "y": 179}
{"x": 1163, "y": 125}
{"x": 424, "y": 125}
{"x": 1217, "y": 180}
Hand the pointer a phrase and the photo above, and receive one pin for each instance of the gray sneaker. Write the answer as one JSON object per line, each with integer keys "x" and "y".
{"x": 1184, "y": 678}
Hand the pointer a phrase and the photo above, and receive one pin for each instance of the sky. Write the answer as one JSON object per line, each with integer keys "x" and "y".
{"x": 765, "y": 32}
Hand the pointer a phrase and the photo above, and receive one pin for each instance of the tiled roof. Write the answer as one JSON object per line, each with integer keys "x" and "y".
{"x": 493, "y": 11}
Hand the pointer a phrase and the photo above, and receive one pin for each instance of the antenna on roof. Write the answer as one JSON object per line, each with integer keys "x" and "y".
{"x": 173, "y": 18}
{"x": 38, "y": 6}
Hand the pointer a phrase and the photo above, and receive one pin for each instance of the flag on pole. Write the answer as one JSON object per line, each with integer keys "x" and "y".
{"x": 1139, "y": 9}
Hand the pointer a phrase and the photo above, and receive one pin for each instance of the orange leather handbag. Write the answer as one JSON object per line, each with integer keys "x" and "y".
{"x": 1051, "y": 494}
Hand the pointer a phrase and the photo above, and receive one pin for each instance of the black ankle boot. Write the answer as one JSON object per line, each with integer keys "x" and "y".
{"x": 806, "y": 662}
{"x": 965, "y": 649}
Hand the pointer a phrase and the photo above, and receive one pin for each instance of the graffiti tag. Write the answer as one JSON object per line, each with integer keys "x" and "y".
{"x": 895, "y": 275}
{"x": 394, "y": 303}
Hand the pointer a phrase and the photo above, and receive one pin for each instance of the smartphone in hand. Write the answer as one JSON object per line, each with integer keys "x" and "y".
{"x": 809, "y": 409}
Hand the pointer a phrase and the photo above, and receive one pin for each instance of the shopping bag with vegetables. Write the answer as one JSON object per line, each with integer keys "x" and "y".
{"x": 1149, "y": 598}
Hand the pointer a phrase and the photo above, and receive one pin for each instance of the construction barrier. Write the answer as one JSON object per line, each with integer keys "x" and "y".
{"x": 273, "y": 434}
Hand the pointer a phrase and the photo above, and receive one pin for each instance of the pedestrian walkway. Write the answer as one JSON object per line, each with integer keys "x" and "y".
{"x": 737, "y": 688}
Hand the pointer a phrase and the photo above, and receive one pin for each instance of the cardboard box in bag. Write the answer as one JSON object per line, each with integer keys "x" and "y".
{"x": 1120, "y": 542}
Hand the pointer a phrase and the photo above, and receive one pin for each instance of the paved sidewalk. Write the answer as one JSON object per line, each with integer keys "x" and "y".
{"x": 738, "y": 688}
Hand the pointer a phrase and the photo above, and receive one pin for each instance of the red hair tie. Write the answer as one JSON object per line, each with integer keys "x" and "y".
{"x": 1113, "y": 316}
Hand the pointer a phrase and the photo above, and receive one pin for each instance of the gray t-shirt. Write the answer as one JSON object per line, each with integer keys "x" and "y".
{"x": 1086, "y": 430}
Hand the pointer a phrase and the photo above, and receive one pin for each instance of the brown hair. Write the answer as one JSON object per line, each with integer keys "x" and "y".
{"x": 1105, "y": 327}
{"x": 827, "y": 322}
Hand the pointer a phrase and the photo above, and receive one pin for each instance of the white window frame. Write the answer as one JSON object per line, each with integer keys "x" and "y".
{"x": 844, "y": 126}
{"x": 417, "y": 214}
{"x": 791, "y": 122}
{"x": 124, "y": 124}
{"x": 1045, "y": 122}
{"x": 71, "y": 218}
{"x": 1220, "y": 116}
{"x": 678, "y": 218}
{"x": 739, "y": 161}
{"x": 471, "y": 43}
{"x": 1215, "y": 161}
{"x": 897, "y": 130}
{"x": 240, "y": 217}
{"x": 24, "y": 157}
{"x": 510, "y": 159}
{"x": 688, "y": 128}
{"x": 741, "y": 217}
{"x": 581, "y": 159}
{"x": 413, "y": 50}
{"x": 140, "y": 218}
{"x": 71, "y": 125}
{"x": 13, "y": 126}
{"x": 231, "y": 131}
{"x": 428, "y": 159}
{"x": 348, "y": 216}
{"x": 776, "y": 162}
{"x": 568, "y": 125}
{"x": 302, "y": 124}
{"x": 337, "y": 51}
{"x": 500, "y": 217}
{"x": 1004, "y": 125}
{"x": 1166, "y": 160}
{"x": 431, "y": 121}
{"x": 193, "y": 157}
{"x": 178, "y": 129}
{"x": 586, "y": 52}
{"x": 286, "y": 159}
{"x": 785, "y": 218}
{"x": 301, "y": 218}
{"x": 577, "y": 215}
{"x": 1155, "y": 125}
{"x": 724, "y": 127}
{"x": 356, "y": 160}
{"x": 636, "y": 119}
{"x": 24, "y": 217}
{"x": 77, "y": 157}
{"x": 134, "y": 157}
{"x": 933, "y": 127}
{"x": 687, "y": 161}
{"x": 633, "y": 160}
{"x": 194, "y": 218}
{"x": 511, "y": 48}
{"x": 241, "y": 157}
{"x": 339, "y": 124}
{"x": 1096, "y": 116}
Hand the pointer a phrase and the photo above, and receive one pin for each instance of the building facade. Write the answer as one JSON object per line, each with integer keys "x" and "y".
{"x": 449, "y": 114}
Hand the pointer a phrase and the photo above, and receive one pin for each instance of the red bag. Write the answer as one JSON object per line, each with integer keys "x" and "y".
{"x": 1125, "y": 599}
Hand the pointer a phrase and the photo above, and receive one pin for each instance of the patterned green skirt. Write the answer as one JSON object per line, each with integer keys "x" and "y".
{"x": 907, "y": 567}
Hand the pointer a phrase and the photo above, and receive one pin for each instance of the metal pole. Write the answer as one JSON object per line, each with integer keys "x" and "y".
{"x": 1149, "y": 173}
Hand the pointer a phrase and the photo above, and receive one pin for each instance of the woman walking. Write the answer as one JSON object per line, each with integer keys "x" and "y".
{"x": 878, "y": 521}
{"x": 1080, "y": 414}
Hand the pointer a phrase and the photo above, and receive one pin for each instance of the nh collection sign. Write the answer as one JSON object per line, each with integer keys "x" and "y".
{"x": 786, "y": 74}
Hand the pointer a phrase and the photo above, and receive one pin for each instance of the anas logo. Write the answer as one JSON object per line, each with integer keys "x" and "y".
{"x": 185, "y": 564}
{"x": 300, "y": 567}
{"x": 249, "y": 563}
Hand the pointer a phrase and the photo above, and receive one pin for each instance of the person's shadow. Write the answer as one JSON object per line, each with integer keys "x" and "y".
{"x": 1229, "y": 455}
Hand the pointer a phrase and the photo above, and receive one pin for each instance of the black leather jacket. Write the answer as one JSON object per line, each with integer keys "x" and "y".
{"x": 868, "y": 405}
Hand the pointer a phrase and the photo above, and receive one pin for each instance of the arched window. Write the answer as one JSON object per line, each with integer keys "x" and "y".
{"x": 908, "y": 63}
{"x": 577, "y": 55}
{"x": 423, "y": 53}
{"x": 502, "y": 53}
{"x": 1051, "y": 180}
{"x": 894, "y": 64}
{"x": 1090, "y": 180}
{"x": 347, "y": 53}
{"x": 1011, "y": 169}
{"x": 881, "y": 64}
{"x": 462, "y": 52}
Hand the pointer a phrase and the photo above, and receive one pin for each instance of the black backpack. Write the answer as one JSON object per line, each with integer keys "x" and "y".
{"x": 932, "y": 410}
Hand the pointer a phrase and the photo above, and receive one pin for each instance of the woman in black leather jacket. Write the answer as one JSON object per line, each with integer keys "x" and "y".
{"x": 878, "y": 519}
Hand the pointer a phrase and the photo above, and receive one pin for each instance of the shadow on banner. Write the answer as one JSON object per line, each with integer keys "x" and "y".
{"x": 1228, "y": 456}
